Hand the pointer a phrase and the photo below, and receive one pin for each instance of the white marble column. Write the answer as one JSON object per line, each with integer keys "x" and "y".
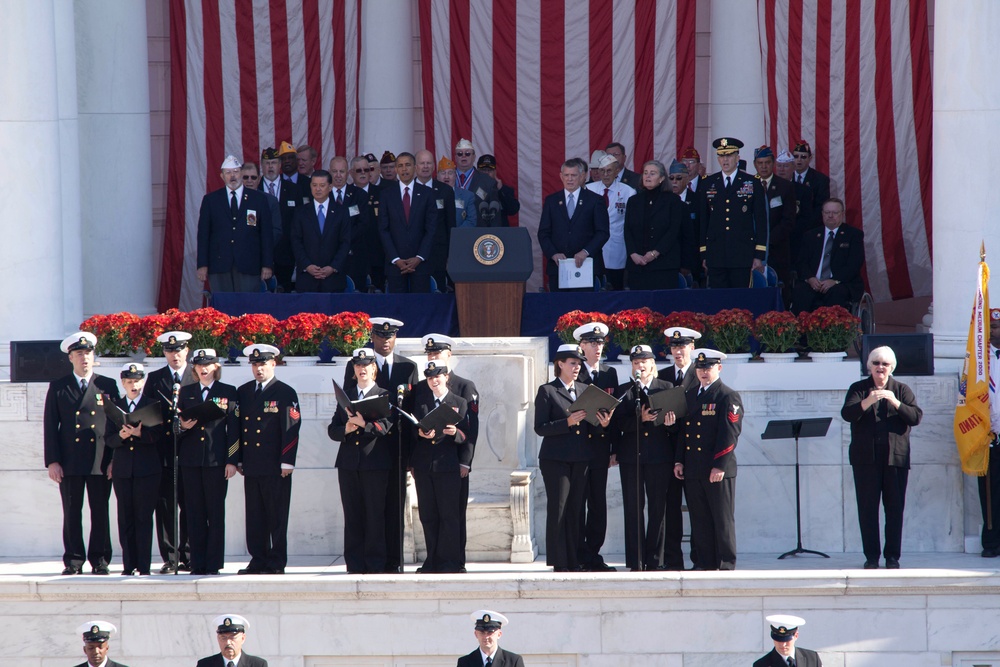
{"x": 737, "y": 96}
{"x": 39, "y": 207}
{"x": 116, "y": 201}
{"x": 387, "y": 77}
{"x": 966, "y": 201}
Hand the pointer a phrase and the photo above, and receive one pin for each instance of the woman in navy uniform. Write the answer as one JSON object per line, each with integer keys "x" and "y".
{"x": 135, "y": 473}
{"x": 364, "y": 459}
{"x": 438, "y": 462}
{"x": 565, "y": 453}
{"x": 209, "y": 454}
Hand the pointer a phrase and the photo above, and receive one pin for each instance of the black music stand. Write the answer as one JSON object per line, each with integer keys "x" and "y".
{"x": 782, "y": 429}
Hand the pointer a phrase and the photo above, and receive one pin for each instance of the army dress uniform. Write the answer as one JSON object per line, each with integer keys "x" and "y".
{"x": 710, "y": 431}
{"x": 269, "y": 422}
{"x": 74, "y": 427}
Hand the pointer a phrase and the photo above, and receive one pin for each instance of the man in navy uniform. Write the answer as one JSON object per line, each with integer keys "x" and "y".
{"x": 269, "y": 435}
{"x": 159, "y": 386}
{"x": 706, "y": 461}
{"x": 231, "y": 633}
{"x": 784, "y": 633}
{"x": 96, "y": 643}
{"x": 235, "y": 241}
{"x": 489, "y": 630}
{"x": 733, "y": 221}
{"x": 74, "y": 424}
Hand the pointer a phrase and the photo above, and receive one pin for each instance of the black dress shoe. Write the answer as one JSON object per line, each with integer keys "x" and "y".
{"x": 279, "y": 571}
{"x": 71, "y": 570}
{"x": 199, "y": 572}
{"x": 990, "y": 553}
{"x": 143, "y": 573}
{"x": 635, "y": 569}
{"x": 166, "y": 568}
{"x": 599, "y": 567}
{"x": 212, "y": 572}
{"x": 128, "y": 573}
{"x": 871, "y": 564}
{"x": 891, "y": 563}
{"x": 184, "y": 567}
{"x": 560, "y": 569}
{"x": 248, "y": 570}
{"x": 101, "y": 569}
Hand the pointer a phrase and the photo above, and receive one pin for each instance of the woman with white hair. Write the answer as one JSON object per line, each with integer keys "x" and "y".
{"x": 881, "y": 411}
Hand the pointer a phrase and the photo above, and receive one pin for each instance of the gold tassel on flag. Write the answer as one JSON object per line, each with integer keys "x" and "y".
{"x": 972, "y": 413}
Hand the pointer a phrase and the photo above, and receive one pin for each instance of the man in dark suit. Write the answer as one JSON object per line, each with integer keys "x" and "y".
{"x": 231, "y": 633}
{"x": 96, "y": 643}
{"x": 817, "y": 182}
{"x": 321, "y": 232}
{"x": 437, "y": 347}
{"x": 509, "y": 205}
{"x": 270, "y": 420}
{"x": 480, "y": 184}
{"x": 706, "y": 462}
{"x": 160, "y": 386}
{"x": 625, "y": 175}
{"x": 74, "y": 425}
{"x": 397, "y": 375}
{"x": 594, "y": 518}
{"x": 407, "y": 222}
{"x": 691, "y": 159}
{"x": 366, "y": 258}
{"x": 289, "y": 199}
{"x": 784, "y": 633}
{"x": 574, "y": 224}
{"x": 444, "y": 203}
{"x": 781, "y": 209}
{"x": 235, "y": 241}
{"x": 679, "y": 178}
{"x": 830, "y": 263}
{"x": 733, "y": 220}
{"x": 489, "y": 630}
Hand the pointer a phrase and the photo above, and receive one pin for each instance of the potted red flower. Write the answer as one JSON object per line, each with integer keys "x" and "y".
{"x": 730, "y": 330}
{"x": 348, "y": 331}
{"x": 777, "y": 332}
{"x": 145, "y": 331}
{"x": 829, "y": 330}
{"x": 207, "y": 327}
{"x": 301, "y": 335}
{"x": 638, "y": 326}
{"x": 114, "y": 333}
{"x": 567, "y": 323}
{"x": 251, "y": 328}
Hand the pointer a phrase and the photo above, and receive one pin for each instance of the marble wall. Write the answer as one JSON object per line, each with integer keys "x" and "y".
{"x": 942, "y": 507}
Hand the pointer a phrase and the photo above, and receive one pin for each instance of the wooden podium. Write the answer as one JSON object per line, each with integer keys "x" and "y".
{"x": 489, "y": 266}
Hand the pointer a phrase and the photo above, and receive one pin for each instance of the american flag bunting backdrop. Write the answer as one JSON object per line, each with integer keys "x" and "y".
{"x": 853, "y": 78}
{"x": 534, "y": 83}
{"x": 245, "y": 75}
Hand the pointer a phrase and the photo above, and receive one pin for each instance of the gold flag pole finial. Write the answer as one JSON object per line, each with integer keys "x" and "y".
{"x": 982, "y": 251}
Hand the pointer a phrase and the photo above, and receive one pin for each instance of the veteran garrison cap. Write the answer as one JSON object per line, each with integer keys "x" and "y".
{"x": 785, "y": 157}
{"x": 784, "y": 626}
{"x": 387, "y": 158}
{"x": 445, "y": 163}
{"x": 437, "y": 342}
{"x": 97, "y": 631}
{"x": 762, "y": 152}
{"x": 677, "y": 167}
{"x": 228, "y": 623}
{"x": 690, "y": 153}
{"x": 486, "y": 161}
{"x": 802, "y": 146}
{"x": 269, "y": 153}
{"x": 591, "y": 331}
{"x": 285, "y": 148}
{"x": 260, "y": 352}
{"x": 371, "y": 157}
{"x": 81, "y": 340}
{"x": 486, "y": 619}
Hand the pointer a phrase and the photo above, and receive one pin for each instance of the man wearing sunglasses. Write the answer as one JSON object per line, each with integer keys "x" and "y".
{"x": 366, "y": 257}
{"x": 482, "y": 186}
{"x": 251, "y": 179}
{"x": 288, "y": 196}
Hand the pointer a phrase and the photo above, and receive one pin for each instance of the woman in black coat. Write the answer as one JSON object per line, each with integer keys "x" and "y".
{"x": 881, "y": 412}
{"x": 564, "y": 456}
{"x": 135, "y": 473}
{"x": 654, "y": 220}
{"x": 208, "y": 454}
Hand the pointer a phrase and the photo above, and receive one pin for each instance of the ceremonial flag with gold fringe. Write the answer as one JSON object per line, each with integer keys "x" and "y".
{"x": 972, "y": 414}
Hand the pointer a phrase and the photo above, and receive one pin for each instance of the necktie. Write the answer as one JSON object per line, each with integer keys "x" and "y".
{"x": 406, "y": 203}
{"x": 729, "y": 181}
{"x": 593, "y": 373}
{"x": 645, "y": 390}
{"x": 679, "y": 378}
{"x": 572, "y": 393}
{"x": 83, "y": 384}
{"x": 257, "y": 391}
{"x": 489, "y": 661}
{"x": 463, "y": 181}
{"x": 799, "y": 178}
{"x": 791, "y": 661}
{"x": 607, "y": 201}
{"x": 230, "y": 664}
{"x": 437, "y": 402}
{"x": 270, "y": 187}
{"x": 340, "y": 197}
{"x": 571, "y": 204}
{"x": 385, "y": 368}
{"x": 131, "y": 406}
{"x": 322, "y": 218}
{"x": 690, "y": 189}
{"x": 204, "y": 394}
{"x": 701, "y": 391}
{"x": 234, "y": 205}
{"x": 361, "y": 394}
{"x": 177, "y": 378}
{"x": 825, "y": 272}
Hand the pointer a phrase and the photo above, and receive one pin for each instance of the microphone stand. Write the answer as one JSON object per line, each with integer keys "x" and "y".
{"x": 638, "y": 476}
{"x": 176, "y": 508}
{"x": 401, "y": 478}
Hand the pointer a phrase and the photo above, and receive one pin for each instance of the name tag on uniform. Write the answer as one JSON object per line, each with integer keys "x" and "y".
{"x": 776, "y": 202}
{"x": 440, "y": 204}
{"x": 459, "y": 203}
{"x": 480, "y": 193}
{"x": 251, "y": 218}
{"x": 354, "y": 210}
{"x": 290, "y": 202}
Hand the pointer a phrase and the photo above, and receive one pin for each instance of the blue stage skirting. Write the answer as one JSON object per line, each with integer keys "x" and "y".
{"x": 436, "y": 313}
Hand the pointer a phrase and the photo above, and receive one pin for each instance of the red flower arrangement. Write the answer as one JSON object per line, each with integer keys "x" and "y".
{"x": 249, "y": 329}
{"x": 730, "y": 330}
{"x": 207, "y": 327}
{"x": 348, "y": 331}
{"x": 145, "y": 331}
{"x": 302, "y": 334}
{"x": 685, "y": 318}
{"x": 636, "y": 326}
{"x": 777, "y": 331}
{"x": 567, "y": 323}
{"x": 830, "y": 329}
{"x": 114, "y": 333}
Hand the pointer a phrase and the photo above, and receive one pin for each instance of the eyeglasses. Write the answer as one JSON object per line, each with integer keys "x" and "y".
{"x": 361, "y": 171}
{"x": 248, "y": 177}
{"x": 371, "y": 169}
{"x": 675, "y": 178}
{"x": 464, "y": 153}
{"x": 881, "y": 363}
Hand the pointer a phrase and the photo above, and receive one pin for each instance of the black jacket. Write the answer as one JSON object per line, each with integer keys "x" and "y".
{"x": 710, "y": 431}
{"x": 864, "y": 423}
{"x": 365, "y": 449}
{"x": 135, "y": 457}
{"x": 270, "y": 427}
{"x": 445, "y": 452}
{"x": 74, "y": 424}
{"x": 216, "y": 443}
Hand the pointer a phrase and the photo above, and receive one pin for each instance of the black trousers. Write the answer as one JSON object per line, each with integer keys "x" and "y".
{"x": 654, "y": 481}
{"x": 991, "y": 536}
{"x": 165, "y": 518}
{"x": 594, "y": 512}
{"x": 806, "y": 299}
{"x": 565, "y": 484}
{"x": 463, "y": 538}
{"x": 283, "y": 274}
{"x": 362, "y": 494}
{"x": 137, "y": 498}
{"x": 713, "y": 524}
{"x": 417, "y": 282}
{"x": 440, "y": 503}
{"x": 886, "y": 484}
{"x": 71, "y": 490}
{"x": 205, "y": 490}
{"x": 728, "y": 277}
{"x": 395, "y": 496}
{"x": 641, "y": 278}
{"x": 267, "y": 498}
{"x": 334, "y": 283}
